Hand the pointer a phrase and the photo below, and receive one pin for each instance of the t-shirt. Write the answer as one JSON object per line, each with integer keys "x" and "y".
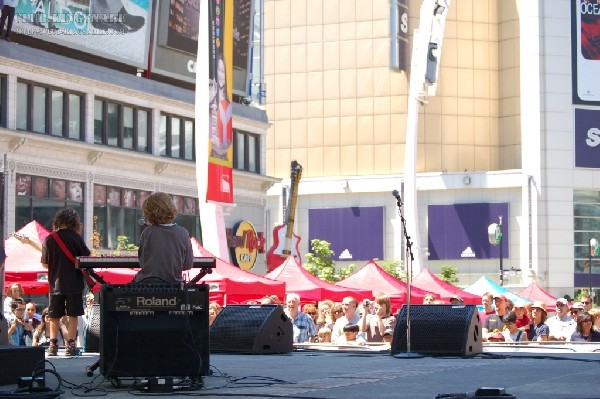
{"x": 63, "y": 277}
{"x": 165, "y": 252}
{"x": 593, "y": 337}
{"x": 494, "y": 322}
{"x": 373, "y": 333}
{"x": 561, "y": 327}
{"x": 337, "y": 334}
{"x": 516, "y": 337}
{"x": 538, "y": 330}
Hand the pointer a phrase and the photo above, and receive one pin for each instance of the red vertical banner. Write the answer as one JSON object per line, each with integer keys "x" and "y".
{"x": 220, "y": 146}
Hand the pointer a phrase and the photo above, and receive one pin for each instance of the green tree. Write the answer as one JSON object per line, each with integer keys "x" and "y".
{"x": 395, "y": 267}
{"x": 124, "y": 245}
{"x": 346, "y": 271}
{"x": 449, "y": 274}
{"x": 319, "y": 262}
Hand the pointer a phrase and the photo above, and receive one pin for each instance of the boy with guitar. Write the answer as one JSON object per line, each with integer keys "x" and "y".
{"x": 66, "y": 282}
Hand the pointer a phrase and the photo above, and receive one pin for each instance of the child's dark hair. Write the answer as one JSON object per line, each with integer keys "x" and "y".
{"x": 67, "y": 218}
{"x": 350, "y": 327}
{"x": 510, "y": 317}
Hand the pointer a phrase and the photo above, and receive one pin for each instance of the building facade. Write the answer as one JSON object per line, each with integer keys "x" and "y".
{"x": 99, "y": 140}
{"x": 498, "y": 140}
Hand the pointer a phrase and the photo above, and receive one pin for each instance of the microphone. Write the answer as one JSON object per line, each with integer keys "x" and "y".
{"x": 142, "y": 222}
{"x": 396, "y": 194}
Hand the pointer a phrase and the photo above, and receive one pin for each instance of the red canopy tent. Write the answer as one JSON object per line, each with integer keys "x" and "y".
{"x": 230, "y": 285}
{"x": 428, "y": 281}
{"x": 534, "y": 292}
{"x": 379, "y": 281}
{"x": 310, "y": 288}
{"x": 23, "y": 259}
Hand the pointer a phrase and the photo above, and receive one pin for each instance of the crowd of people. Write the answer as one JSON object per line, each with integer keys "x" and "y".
{"x": 165, "y": 252}
{"x": 347, "y": 322}
{"x": 350, "y": 322}
{"x": 519, "y": 322}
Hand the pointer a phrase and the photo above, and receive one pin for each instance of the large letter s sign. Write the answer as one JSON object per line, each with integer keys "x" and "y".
{"x": 404, "y": 22}
{"x": 593, "y": 139}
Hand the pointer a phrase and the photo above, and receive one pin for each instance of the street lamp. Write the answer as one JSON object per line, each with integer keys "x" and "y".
{"x": 495, "y": 238}
{"x": 594, "y": 252}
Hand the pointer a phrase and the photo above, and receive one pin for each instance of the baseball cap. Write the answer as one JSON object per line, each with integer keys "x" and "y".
{"x": 563, "y": 301}
{"x": 501, "y": 297}
{"x": 457, "y": 298}
{"x": 577, "y": 305}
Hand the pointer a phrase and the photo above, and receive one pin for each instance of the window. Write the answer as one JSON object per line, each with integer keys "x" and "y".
{"x": 246, "y": 147}
{"x": 176, "y": 137}
{"x": 39, "y": 198}
{"x": 586, "y": 223}
{"x": 3, "y": 102}
{"x": 122, "y": 126}
{"x": 49, "y": 110}
{"x": 117, "y": 211}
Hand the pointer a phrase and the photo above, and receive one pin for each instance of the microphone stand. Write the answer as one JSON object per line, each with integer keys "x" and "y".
{"x": 408, "y": 259}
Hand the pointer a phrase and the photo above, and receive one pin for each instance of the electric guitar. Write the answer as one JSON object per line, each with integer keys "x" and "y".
{"x": 285, "y": 241}
{"x": 23, "y": 239}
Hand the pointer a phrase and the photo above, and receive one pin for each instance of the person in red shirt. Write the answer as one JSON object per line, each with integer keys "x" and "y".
{"x": 522, "y": 317}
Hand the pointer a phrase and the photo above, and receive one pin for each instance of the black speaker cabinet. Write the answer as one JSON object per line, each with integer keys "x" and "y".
{"x": 254, "y": 329}
{"x": 439, "y": 330}
{"x": 154, "y": 330}
{"x": 20, "y": 361}
{"x": 92, "y": 330}
{"x": 3, "y": 330}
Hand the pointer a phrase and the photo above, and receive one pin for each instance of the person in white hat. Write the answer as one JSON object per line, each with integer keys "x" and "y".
{"x": 539, "y": 331}
{"x": 561, "y": 325}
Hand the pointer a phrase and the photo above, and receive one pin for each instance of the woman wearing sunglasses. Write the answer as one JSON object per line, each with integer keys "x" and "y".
{"x": 584, "y": 331}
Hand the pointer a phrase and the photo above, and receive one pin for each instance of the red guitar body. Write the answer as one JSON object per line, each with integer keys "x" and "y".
{"x": 277, "y": 254}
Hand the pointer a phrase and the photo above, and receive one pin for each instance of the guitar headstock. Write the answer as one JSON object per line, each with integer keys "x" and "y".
{"x": 22, "y": 238}
{"x": 296, "y": 171}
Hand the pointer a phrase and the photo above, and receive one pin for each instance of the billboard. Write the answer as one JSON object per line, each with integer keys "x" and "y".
{"x": 585, "y": 51}
{"x": 355, "y": 233}
{"x": 220, "y": 158}
{"x": 587, "y": 138}
{"x": 176, "y": 44}
{"x": 114, "y": 29}
{"x": 460, "y": 231}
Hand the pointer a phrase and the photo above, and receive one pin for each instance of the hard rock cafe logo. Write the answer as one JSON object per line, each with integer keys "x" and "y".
{"x": 245, "y": 244}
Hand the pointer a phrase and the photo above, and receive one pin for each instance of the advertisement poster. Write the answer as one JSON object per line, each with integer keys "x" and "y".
{"x": 220, "y": 158}
{"x": 460, "y": 231}
{"x": 114, "y": 29}
{"x": 183, "y": 25}
{"x": 355, "y": 233}
{"x": 587, "y": 138}
{"x": 586, "y": 51}
{"x": 176, "y": 44}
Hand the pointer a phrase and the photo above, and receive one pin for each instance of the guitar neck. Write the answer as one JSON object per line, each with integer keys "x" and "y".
{"x": 26, "y": 240}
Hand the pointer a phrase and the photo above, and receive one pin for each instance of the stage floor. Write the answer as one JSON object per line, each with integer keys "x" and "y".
{"x": 531, "y": 371}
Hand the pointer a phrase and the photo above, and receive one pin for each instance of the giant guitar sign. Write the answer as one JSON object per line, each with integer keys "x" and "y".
{"x": 285, "y": 242}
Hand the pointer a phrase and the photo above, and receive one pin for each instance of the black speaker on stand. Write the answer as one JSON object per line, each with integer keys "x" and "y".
{"x": 252, "y": 329}
{"x": 440, "y": 330}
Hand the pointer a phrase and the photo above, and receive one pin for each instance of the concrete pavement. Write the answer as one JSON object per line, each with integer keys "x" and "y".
{"x": 524, "y": 371}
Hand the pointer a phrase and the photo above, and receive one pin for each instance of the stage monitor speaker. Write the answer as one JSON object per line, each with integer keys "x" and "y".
{"x": 254, "y": 329}
{"x": 3, "y": 330}
{"x": 154, "y": 330}
{"x": 439, "y": 330}
{"x": 19, "y": 361}
{"x": 92, "y": 330}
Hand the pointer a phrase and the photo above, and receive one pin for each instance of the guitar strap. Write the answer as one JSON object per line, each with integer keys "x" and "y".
{"x": 90, "y": 282}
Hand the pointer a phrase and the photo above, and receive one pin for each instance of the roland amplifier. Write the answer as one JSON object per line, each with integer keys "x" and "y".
{"x": 154, "y": 330}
